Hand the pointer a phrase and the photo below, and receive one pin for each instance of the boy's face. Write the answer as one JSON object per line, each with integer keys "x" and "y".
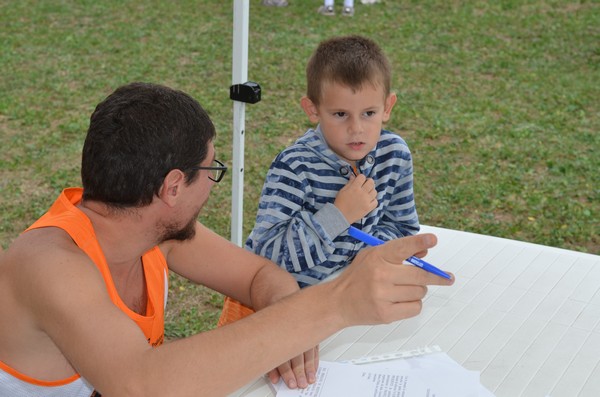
{"x": 350, "y": 120}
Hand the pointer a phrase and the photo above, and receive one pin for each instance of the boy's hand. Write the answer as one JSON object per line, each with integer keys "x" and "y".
{"x": 357, "y": 198}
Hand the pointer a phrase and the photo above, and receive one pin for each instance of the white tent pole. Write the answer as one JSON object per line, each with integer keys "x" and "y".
{"x": 241, "y": 11}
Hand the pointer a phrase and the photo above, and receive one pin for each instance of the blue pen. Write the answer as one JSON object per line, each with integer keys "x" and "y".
{"x": 413, "y": 260}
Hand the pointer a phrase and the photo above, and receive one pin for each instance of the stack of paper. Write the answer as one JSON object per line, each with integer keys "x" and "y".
{"x": 430, "y": 375}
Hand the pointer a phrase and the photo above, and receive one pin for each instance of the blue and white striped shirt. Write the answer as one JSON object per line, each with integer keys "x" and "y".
{"x": 297, "y": 225}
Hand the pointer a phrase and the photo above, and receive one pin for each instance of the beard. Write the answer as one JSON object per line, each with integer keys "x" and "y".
{"x": 173, "y": 232}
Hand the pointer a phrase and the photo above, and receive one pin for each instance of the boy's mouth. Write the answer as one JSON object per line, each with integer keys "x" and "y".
{"x": 356, "y": 145}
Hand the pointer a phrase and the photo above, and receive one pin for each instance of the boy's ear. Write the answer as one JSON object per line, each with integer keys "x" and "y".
{"x": 390, "y": 101}
{"x": 310, "y": 109}
{"x": 171, "y": 187}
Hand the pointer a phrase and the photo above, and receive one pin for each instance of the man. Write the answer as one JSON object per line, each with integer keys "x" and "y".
{"x": 82, "y": 290}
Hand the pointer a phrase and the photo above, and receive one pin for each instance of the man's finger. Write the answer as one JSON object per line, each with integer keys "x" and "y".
{"x": 310, "y": 365}
{"x": 299, "y": 372}
{"x": 273, "y": 376}
{"x": 396, "y": 251}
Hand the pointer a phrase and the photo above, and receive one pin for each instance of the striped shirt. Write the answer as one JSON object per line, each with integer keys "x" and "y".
{"x": 297, "y": 225}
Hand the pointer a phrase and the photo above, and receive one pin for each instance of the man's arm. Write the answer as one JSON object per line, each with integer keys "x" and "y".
{"x": 253, "y": 280}
{"x": 68, "y": 302}
{"x": 215, "y": 262}
{"x": 375, "y": 289}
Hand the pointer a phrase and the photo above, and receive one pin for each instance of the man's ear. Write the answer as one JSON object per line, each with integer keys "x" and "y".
{"x": 390, "y": 101}
{"x": 310, "y": 109}
{"x": 171, "y": 188}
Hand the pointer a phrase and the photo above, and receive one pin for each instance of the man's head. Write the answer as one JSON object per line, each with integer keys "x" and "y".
{"x": 352, "y": 61}
{"x": 349, "y": 95}
{"x": 137, "y": 135}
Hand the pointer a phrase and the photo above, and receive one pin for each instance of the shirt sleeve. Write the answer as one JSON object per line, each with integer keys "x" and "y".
{"x": 288, "y": 229}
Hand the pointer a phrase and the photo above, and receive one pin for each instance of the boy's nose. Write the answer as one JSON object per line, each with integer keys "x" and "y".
{"x": 355, "y": 126}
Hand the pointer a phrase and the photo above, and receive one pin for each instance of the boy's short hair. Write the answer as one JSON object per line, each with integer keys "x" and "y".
{"x": 348, "y": 60}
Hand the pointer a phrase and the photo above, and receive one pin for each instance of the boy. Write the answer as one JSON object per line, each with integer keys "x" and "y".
{"x": 346, "y": 171}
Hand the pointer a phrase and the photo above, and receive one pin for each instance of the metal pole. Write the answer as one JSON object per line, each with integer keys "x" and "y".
{"x": 241, "y": 11}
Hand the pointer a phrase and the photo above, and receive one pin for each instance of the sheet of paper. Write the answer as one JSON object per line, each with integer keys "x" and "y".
{"x": 432, "y": 375}
{"x": 440, "y": 372}
{"x": 335, "y": 379}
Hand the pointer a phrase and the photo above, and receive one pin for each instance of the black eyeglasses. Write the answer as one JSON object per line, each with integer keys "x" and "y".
{"x": 217, "y": 171}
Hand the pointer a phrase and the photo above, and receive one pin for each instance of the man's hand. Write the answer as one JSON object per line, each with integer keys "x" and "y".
{"x": 377, "y": 288}
{"x": 299, "y": 371}
{"x": 357, "y": 198}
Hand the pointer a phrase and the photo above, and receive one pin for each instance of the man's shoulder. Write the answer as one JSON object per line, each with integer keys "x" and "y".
{"x": 46, "y": 282}
{"x": 40, "y": 250}
{"x": 42, "y": 269}
{"x": 47, "y": 235}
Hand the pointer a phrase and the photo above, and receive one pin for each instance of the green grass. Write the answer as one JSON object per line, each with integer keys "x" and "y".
{"x": 498, "y": 101}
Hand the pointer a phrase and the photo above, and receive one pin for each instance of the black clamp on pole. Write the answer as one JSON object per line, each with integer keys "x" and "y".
{"x": 248, "y": 92}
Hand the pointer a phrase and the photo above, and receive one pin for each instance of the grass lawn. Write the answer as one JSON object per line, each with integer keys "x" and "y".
{"x": 499, "y": 102}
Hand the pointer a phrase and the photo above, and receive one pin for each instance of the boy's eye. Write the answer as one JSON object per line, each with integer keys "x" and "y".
{"x": 339, "y": 114}
{"x": 370, "y": 113}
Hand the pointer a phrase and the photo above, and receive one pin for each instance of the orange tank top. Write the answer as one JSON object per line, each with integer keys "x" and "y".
{"x": 65, "y": 215}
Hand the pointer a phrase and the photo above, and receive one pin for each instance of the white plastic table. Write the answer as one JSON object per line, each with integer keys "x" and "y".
{"x": 527, "y": 316}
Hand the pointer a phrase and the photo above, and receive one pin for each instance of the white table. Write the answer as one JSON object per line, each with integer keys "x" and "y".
{"x": 527, "y": 316}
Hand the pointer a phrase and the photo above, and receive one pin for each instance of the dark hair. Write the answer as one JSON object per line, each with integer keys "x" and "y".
{"x": 136, "y": 136}
{"x": 348, "y": 60}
